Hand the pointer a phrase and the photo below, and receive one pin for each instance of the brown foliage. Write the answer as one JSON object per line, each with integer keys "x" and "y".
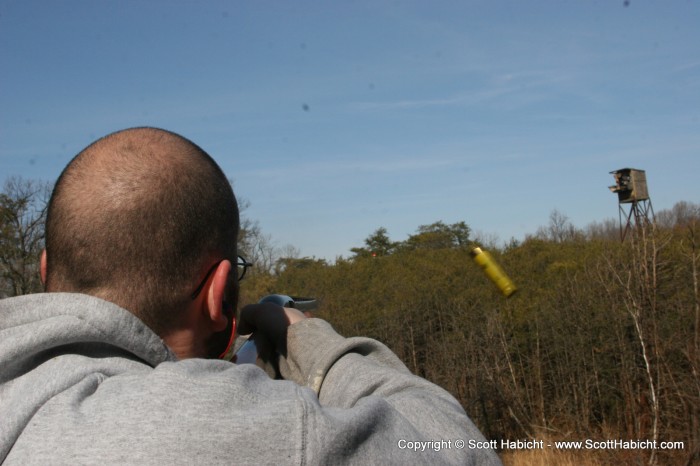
{"x": 600, "y": 342}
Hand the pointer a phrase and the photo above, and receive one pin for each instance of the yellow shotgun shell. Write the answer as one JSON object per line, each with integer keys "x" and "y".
{"x": 494, "y": 271}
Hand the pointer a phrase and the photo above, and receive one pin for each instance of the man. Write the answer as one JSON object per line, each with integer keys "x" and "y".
{"x": 114, "y": 363}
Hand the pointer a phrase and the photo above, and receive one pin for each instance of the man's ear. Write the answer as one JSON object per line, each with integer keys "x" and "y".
{"x": 42, "y": 267}
{"x": 216, "y": 293}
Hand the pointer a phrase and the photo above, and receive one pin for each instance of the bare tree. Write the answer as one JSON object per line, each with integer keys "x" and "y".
{"x": 259, "y": 248}
{"x": 692, "y": 253}
{"x": 559, "y": 230}
{"x": 23, "y": 205}
{"x": 639, "y": 282}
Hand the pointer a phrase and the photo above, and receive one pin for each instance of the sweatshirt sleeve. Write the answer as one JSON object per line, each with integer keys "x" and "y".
{"x": 373, "y": 406}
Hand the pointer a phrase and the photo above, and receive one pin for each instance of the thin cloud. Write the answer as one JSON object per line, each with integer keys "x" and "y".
{"x": 687, "y": 67}
{"x": 343, "y": 168}
{"x": 523, "y": 83}
{"x": 457, "y": 99}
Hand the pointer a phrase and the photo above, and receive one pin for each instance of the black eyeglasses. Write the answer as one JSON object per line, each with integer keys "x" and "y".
{"x": 242, "y": 266}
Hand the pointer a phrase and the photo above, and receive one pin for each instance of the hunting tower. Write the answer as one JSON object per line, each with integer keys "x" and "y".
{"x": 631, "y": 188}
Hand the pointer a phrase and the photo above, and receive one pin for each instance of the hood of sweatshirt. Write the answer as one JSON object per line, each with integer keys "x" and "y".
{"x": 50, "y": 342}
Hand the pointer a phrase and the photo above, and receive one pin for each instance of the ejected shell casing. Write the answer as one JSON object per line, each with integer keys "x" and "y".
{"x": 494, "y": 271}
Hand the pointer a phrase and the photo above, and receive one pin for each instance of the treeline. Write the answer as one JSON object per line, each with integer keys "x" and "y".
{"x": 601, "y": 341}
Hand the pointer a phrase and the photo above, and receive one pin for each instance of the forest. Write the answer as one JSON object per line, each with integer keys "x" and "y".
{"x": 601, "y": 341}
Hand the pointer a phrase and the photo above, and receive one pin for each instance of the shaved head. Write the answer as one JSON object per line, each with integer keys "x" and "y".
{"x": 134, "y": 218}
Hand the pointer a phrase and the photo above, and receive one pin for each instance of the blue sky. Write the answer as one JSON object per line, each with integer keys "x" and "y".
{"x": 336, "y": 118}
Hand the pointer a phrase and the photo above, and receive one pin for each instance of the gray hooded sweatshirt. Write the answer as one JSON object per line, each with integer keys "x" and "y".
{"x": 83, "y": 381}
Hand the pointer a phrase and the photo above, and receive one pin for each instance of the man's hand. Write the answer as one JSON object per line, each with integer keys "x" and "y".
{"x": 270, "y": 321}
